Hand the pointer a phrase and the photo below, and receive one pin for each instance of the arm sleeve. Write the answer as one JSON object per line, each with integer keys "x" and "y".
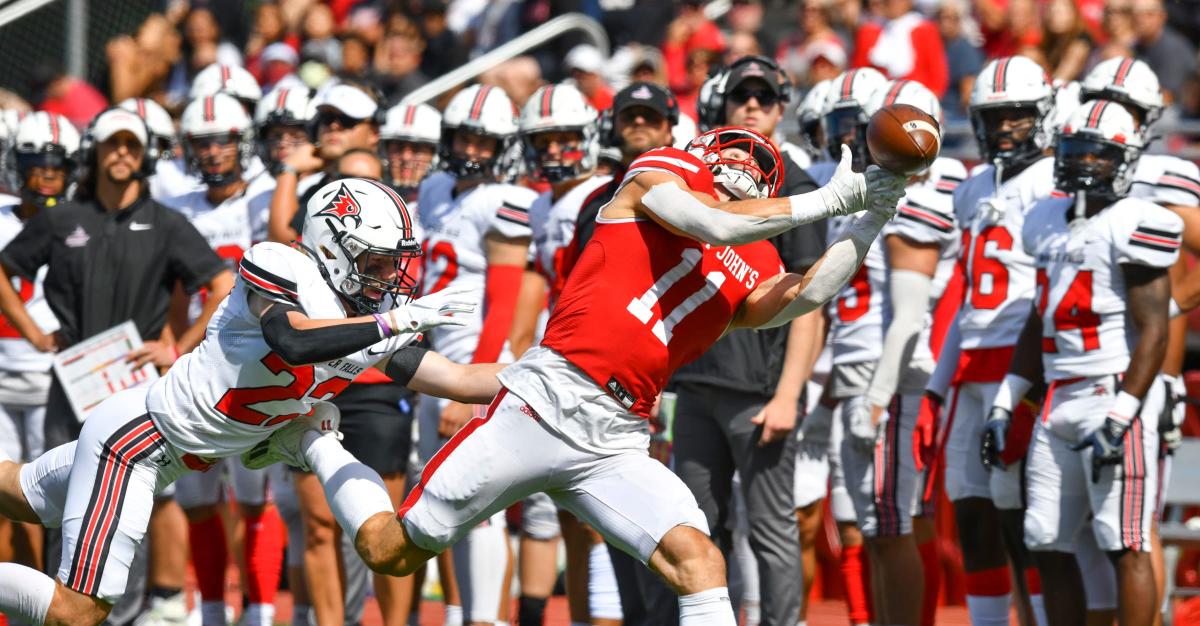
{"x": 315, "y": 345}
{"x": 404, "y": 364}
{"x": 910, "y": 301}
{"x": 839, "y": 263}
{"x": 192, "y": 261}
{"x": 1151, "y": 239}
{"x": 679, "y": 208}
{"x": 30, "y": 249}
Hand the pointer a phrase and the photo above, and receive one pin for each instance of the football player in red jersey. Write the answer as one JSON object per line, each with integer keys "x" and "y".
{"x": 646, "y": 295}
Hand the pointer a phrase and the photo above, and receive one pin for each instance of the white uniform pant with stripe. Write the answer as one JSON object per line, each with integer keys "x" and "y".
{"x": 1060, "y": 491}
{"x": 882, "y": 481}
{"x": 121, "y": 461}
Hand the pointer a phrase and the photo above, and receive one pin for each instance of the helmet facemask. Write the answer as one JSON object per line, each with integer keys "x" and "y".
{"x": 405, "y": 165}
{"x": 467, "y": 168}
{"x": 1094, "y": 165}
{"x": 379, "y": 278}
{"x": 230, "y": 145}
{"x": 50, "y": 157}
{"x": 743, "y": 163}
{"x": 570, "y": 162}
{"x": 847, "y": 125}
{"x": 1021, "y": 144}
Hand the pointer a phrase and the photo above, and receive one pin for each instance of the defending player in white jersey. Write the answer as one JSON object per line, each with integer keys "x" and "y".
{"x": 296, "y": 329}
{"x": 887, "y": 443}
{"x": 1102, "y": 261}
{"x": 218, "y": 142}
{"x": 477, "y": 239}
{"x": 558, "y": 131}
{"x": 1012, "y": 112}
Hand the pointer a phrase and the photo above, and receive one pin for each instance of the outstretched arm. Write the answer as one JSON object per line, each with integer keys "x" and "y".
{"x": 432, "y": 374}
{"x": 664, "y": 198}
{"x": 788, "y": 296}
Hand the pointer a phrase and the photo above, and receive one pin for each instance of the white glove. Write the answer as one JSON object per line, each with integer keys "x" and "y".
{"x": 435, "y": 309}
{"x": 884, "y": 190}
{"x": 860, "y": 432}
{"x": 846, "y": 192}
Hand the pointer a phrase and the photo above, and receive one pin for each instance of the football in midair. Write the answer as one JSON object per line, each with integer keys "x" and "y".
{"x": 903, "y": 139}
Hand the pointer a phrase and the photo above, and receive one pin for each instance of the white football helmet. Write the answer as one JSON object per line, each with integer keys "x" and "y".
{"x": 1098, "y": 150}
{"x": 282, "y": 107}
{"x": 45, "y": 140}
{"x": 230, "y": 79}
{"x": 215, "y": 117}
{"x": 360, "y": 233}
{"x": 908, "y": 92}
{"x": 1128, "y": 81}
{"x": 845, "y": 117}
{"x": 809, "y": 113}
{"x": 411, "y": 124}
{"x": 559, "y": 108}
{"x": 1005, "y": 85}
{"x": 758, "y": 174}
{"x": 9, "y": 120}
{"x": 483, "y": 110}
{"x": 158, "y": 122}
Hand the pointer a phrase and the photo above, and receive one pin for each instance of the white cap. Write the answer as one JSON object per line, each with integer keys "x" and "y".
{"x": 280, "y": 51}
{"x": 586, "y": 58}
{"x": 349, "y": 100}
{"x": 114, "y": 121}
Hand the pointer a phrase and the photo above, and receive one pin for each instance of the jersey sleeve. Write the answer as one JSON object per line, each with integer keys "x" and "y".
{"x": 511, "y": 218}
{"x": 192, "y": 261}
{"x": 30, "y": 249}
{"x": 1178, "y": 184}
{"x": 923, "y": 218}
{"x": 269, "y": 269}
{"x": 681, "y": 163}
{"x": 1146, "y": 235}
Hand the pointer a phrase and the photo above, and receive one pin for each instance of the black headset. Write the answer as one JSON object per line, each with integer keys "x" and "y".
{"x": 713, "y": 114}
{"x": 87, "y": 147}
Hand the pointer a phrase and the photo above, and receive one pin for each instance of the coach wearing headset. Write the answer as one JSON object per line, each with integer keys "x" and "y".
{"x": 112, "y": 254}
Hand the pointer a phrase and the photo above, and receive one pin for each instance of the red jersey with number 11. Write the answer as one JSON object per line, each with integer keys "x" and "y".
{"x": 642, "y": 301}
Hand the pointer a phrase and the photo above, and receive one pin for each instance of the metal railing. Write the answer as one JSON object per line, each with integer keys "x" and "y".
{"x": 546, "y": 32}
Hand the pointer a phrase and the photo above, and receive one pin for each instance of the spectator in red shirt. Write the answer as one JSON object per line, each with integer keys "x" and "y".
{"x": 688, "y": 34}
{"x": 66, "y": 95}
{"x": 905, "y": 45}
{"x": 1009, "y": 27}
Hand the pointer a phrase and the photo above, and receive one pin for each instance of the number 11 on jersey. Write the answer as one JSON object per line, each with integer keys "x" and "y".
{"x": 643, "y": 307}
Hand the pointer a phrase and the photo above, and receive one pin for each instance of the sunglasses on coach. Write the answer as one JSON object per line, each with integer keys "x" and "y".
{"x": 766, "y": 98}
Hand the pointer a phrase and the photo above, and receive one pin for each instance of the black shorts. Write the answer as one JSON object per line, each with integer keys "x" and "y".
{"x": 377, "y": 425}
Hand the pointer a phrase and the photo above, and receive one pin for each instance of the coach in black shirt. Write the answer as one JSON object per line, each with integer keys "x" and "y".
{"x": 111, "y": 255}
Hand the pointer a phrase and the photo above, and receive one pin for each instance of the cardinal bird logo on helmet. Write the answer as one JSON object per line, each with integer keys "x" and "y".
{"x": 343, "y": 205}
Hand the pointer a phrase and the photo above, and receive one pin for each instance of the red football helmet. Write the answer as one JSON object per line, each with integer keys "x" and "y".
{"x": 757, "y": 172}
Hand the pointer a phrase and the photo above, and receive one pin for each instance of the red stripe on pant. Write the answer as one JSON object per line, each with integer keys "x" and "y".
{"x": 439, "y": 458}
{"x": 887, "y": 509}
{"x": 117, "y": 461}
{"x": 1133, "y": 485}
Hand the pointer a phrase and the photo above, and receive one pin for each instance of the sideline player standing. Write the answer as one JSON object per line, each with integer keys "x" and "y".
{"x": 476, "y": 238}
{"x": 280, "y": 345}
{"x": 1011, "y": 113}
{"x": 1102, "y": 262}
{"x": 643, "y": 298}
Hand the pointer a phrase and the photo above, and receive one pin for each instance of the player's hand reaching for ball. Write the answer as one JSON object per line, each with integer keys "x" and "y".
{"x": 884, "y": 190}
{"x": 435, "y": 309}
{"x": 846, "y": 192}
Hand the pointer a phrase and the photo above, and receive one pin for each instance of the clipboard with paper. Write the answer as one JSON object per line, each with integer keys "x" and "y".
{"x": 94, "y": 369}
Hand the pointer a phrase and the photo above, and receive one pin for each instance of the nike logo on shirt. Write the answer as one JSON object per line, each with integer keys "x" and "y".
{"x": 137, "y": 226}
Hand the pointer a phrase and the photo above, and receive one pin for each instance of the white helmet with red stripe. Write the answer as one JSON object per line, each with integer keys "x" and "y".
{"x": 809, "y": 113}
{"x": 216, "y": 117}
{"x": 908, "y": 92}
{"x": 1007, "y": 88}
{"x": 45, "y": 140}
{"x": 1098, "y": 150}
{"x": 231, "y": 79}
{"x": 418, "y": 123}
{"x": 360, "y": 233}
{"x": 288, "y": 106}
{"x": 482, "y": 110}
{"x": 559, "y": 108}
{"x": 1128, "y": 81}
{"x": 158, "y": 122}
{"x": 845, "y": 117}
{"x": 405, "y": 128}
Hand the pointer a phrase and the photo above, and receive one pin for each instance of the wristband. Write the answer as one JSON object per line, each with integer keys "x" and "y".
{"x": 288, "y": 169}
{"x": 385, "y": 330}
{"x": 1012, "y": 389}
{"x": 1125, "y": 408}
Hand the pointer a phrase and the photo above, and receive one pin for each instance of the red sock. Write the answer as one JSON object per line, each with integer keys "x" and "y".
{"x": 207, "y": 540}
{"x": 854, "y": 575}
{"x": 990, "y": 582}
{"x": 1033, "y": 581}
{"x": 264, "y": 555}
{"x": 931, "y": 563}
